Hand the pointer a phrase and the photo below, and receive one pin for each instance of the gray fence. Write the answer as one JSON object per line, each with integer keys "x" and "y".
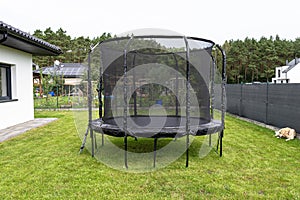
{"x": 273, "y": 104}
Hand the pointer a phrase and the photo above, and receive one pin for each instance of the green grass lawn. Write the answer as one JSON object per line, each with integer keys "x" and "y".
{"x": 44, "y": 163}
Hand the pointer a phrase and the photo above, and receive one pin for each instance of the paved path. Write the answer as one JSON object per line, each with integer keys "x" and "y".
{"x": 18, "y": 129}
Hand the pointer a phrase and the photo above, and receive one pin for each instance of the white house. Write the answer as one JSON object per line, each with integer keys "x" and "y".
{"x": 16, "y": 96}
{"x": 290, "y": 73}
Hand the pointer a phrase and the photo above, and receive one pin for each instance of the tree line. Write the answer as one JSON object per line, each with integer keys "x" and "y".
{"x": 248, "y": 60}
{"x": 75, "y": 50}
{"x": 252, "y": 60}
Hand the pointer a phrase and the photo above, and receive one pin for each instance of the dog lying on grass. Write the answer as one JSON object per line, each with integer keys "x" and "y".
{"x": 287, "y": 133}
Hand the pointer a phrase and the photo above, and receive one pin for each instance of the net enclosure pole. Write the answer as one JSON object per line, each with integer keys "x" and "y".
{"x": 100, "y": 92}
{"x": 90, "y": 101}
{"x": 212, "y": 91}
{"x": 212, "y": 87}
{"x": 89, "y": 92}
{"x": 222, "y": 96}
{"x": 187, "y": 126}
{"x": 100, "y": 97}
{"x": 176, "y": 85}
{"x": 134, "y": 86}
{"x": 125, "y": 107}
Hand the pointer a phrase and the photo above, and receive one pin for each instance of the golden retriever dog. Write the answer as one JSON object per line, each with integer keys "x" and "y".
{"x": 287, "y": 133}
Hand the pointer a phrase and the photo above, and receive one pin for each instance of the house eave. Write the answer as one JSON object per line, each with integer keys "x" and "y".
{"x": 17, "y": 39}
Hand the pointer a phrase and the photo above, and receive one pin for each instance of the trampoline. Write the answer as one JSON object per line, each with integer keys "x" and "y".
{"x": 151, "y": 127}
{"x": 156, "y": 86}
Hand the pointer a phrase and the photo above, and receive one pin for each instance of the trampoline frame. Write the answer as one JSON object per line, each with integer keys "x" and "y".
{"x": 97, "y": 125}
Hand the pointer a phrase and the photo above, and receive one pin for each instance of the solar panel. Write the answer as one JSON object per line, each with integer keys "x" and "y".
{"x": 68, "y": 70}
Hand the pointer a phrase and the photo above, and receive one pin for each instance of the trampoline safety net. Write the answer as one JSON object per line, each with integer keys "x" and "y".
{"x": 154, "y": 86}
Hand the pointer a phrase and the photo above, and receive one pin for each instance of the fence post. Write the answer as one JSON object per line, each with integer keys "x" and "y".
{"x": 241, "y": 101}
{"x": 267, "y": 103}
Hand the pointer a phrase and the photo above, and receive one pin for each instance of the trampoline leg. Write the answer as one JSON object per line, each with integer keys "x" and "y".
{"x": 218, "y": 142}
{"x": 221, "y": 147}
{"x": 187, "y": 158}
{"x": 209, "y": 140}
{"x": 154, "y": 151}
{"x": 125, "y": 153}
{"x": 84, "y": 140}
{"x": 187, "y": 151}
{"x": 93, "y": 142}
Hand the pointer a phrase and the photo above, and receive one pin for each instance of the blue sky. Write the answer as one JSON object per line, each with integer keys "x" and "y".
{"x": 217, "y": 20}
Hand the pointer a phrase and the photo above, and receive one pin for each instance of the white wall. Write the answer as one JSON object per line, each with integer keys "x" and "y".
{"x": 282, "y": 75}
{"x": 294, "y": 74}
{"x": 22, "y": 110}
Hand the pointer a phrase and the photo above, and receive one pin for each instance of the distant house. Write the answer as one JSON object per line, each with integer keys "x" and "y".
{"x": 70, "y": 73}
{"x": 290, "y": 73}
{"x": 16, "y": 50}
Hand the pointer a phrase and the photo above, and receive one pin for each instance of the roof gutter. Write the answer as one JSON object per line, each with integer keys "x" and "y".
{"x": 36, "y": 43}
{"x": 10, "y": 32}
{"x": 4, "y": 33}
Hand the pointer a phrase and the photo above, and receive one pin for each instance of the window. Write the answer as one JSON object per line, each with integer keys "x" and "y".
{"x": 279, "y": 73}
{"x": 5, "y": 82}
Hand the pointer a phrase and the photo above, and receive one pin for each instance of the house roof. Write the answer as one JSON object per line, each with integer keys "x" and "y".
{"x": 67, "y": 70}
{"x": 17, "y": 39}
{"x": 292, "y": 64}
